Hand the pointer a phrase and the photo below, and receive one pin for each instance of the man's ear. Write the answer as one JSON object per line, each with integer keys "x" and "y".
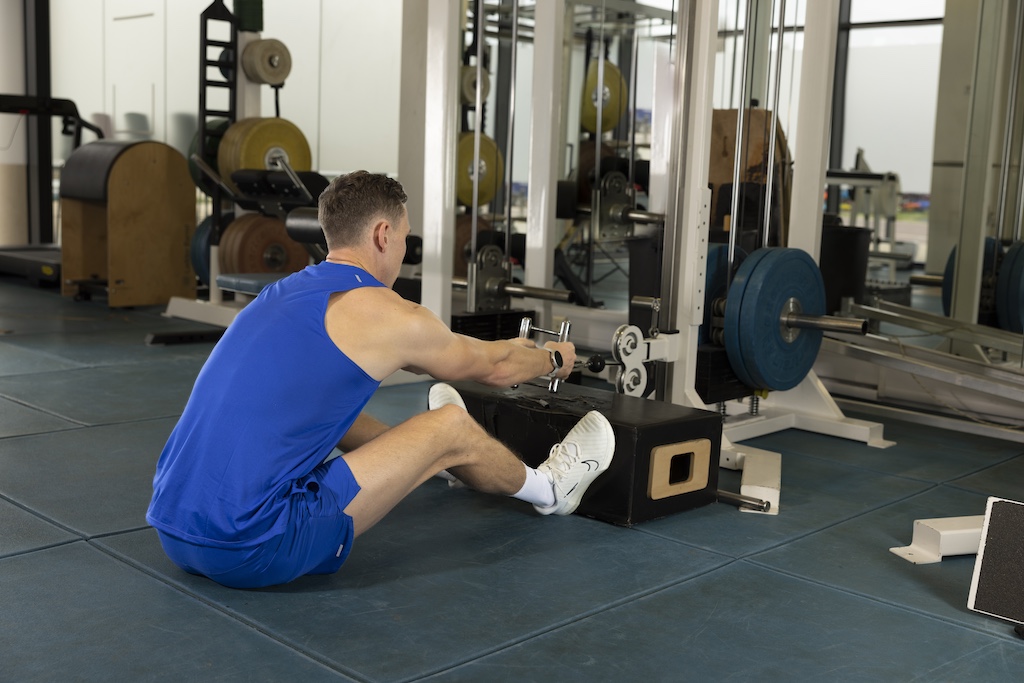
{"x": 380, "y": 235}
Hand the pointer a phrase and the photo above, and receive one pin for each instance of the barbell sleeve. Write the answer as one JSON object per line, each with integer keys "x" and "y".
{"x": 826, "y": 323}
{"x": 742, "y": 501}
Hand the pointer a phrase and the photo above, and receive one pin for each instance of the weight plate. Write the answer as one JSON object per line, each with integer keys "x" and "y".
{"x": 988, "y": 264}
{"x": 765, "y": 290}
{"x": 716, "y": 282}
{"x": 614, "y": 104}
{"x": 1010, "y": 290}
{"x": 215, "y": 129}
{"x": 263, "y": 246}
{"x": 200, "y": 250}
{"x": 229, "y": 240}
{"x": 491, "y": 170}
{"x": 250, "y": 144}
{"x": 467, "y": 85}
{"x": 267, "y": 61}
{"x": 733, "y": 302}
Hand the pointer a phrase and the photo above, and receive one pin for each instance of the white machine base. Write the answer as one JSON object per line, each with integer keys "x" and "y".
{"x": 943, "y": 536}
{"x": 222, "y": 314}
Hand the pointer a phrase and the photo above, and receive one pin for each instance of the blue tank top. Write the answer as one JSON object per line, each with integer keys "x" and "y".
{"x": 270, "y": 404}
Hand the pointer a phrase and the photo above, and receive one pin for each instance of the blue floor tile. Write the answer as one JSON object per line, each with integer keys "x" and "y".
{"x": 20, "y": 361}
{"x": 95, "y": 480}
{"x": 448, "y": 576}
{"x": 741, "y": 623}
{"x": 21, "y": 531}
{"x": 854, "y": 556}
{"x": 73, "y": 613}
{"x": 111, "y": 347}
{"x": 17, "y": 420}
{"x": 931, "y": 455}
{"x": 1005, "y": 480}
{"x": 109, "y": 394}
{"x": 815, "y": 494}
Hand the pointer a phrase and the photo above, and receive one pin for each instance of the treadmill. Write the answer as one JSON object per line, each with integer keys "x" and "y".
{"x": 40, "y": 263}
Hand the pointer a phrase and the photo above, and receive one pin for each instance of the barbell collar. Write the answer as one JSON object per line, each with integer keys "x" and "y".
{"x": 825, "y": 323}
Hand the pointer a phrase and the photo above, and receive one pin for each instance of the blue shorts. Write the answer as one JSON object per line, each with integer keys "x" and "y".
{"x": 317, "y": 540}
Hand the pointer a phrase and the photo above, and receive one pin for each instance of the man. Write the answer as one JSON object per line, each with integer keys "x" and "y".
{"x": 245, "y": 492}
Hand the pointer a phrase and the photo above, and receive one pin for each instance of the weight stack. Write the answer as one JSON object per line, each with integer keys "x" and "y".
{"x": 665, "y": 460}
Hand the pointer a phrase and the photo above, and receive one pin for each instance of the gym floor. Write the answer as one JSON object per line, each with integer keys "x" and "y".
{"x": 454, "y": 585}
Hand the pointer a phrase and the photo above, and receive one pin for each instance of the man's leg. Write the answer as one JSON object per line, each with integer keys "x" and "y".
{"x": 391, "y": 466}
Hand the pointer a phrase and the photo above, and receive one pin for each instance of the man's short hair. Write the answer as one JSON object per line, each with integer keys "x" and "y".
{"x": 353, "y": 202}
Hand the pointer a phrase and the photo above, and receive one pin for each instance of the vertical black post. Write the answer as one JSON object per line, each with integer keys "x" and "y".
{"x": 39, "y": 138}
{"x": 502, "y": 90}
{"x": 835, "y": 158}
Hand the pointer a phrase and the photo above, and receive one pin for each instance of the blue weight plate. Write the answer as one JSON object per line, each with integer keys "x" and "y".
{"x": 200, "y": 250}
{"x": 1010, "y": 290}
{"x": 771, "y": 361}
{"x": 988, "y": 263}
{"x": 715, "y": 281}
{"x": 733, "y": 331}
{"x": 1009, "y": 296}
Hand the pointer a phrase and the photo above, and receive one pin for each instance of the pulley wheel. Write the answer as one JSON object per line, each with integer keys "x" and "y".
{"x": 490, "y": 168}
{"x": 215, "y": 129}
{"x": 467, "y": 85}
{"x": 614, "y": 98}
{"x": 763, "y": 352}
{"x": 988, "y": 265}
{"x": 1010, "y": 290}
{"x": 267, "y": 61}
{"x": 252, "y": 143}
{"x": 260, "y": 244}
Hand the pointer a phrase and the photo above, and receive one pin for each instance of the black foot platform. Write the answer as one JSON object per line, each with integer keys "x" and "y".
{"x": 666, "y": 456}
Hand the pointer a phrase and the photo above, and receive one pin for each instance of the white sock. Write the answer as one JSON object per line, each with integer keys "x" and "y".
{"x": 445, "y": 474}
{"x": 538, "y": 488}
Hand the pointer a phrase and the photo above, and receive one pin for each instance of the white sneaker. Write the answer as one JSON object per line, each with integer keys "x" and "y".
{"x": 442, "y": 395}
{"x": 577, "y": 461}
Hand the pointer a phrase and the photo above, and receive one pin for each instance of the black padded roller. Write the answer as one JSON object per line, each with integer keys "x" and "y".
{"x": 87, "y": 169}
{"x": 303, "y": 225}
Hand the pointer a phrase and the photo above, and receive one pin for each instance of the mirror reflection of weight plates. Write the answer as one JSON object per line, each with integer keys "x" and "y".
{"x": 613, "y": 106}
{"x": 491, "y": 169}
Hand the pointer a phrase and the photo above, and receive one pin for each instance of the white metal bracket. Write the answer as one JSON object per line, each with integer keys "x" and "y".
{"x": 940, "y": 537}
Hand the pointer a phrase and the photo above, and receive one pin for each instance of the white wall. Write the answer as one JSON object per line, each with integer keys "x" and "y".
{"x": 13, "y": 155}
{"x": 117, "y": 58}
{"x": 891, "y": 94}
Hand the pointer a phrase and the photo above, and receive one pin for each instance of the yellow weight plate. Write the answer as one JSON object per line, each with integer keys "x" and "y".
{"x": 491, "y": 170}
{"x": 614, "y": 104}
{"x": 467, "y": 85}
{"x": 267, "y": 61}
{"x": 250, "y": 144}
